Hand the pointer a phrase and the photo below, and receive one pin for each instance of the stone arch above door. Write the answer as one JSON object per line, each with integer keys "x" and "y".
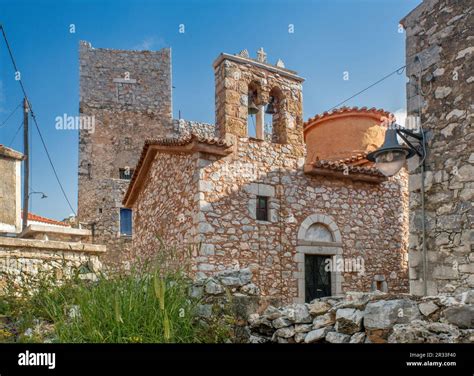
{"x": 321, "y": 220}
{"x": 318, "y": 235}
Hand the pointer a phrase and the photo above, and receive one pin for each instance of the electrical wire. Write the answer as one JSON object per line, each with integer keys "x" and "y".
{"x": 398, "y": 71}
{"x": 16, "y": 133}
{"x": 33, "y": 116}
{"x": 11, "y": 114}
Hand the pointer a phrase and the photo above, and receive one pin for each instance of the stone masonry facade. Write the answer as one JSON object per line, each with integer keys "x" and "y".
{"x": 199, "y": 193}
{"x": 10, "y": 190}
{"x": 128, "y": 93}
{"x": 366, "y": 220}
{"x": 439, "y": 47}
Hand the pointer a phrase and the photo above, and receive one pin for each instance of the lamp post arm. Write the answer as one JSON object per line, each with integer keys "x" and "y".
{"x": 410, "y": 145}
{"x": 403, "y": 131}
{"x": 418, "y": 136}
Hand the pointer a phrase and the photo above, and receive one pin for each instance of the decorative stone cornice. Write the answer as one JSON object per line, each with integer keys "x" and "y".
{"x": 243, "y": 60}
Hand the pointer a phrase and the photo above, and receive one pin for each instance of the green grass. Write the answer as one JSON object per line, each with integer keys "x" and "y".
{"x": 148, "y": 306}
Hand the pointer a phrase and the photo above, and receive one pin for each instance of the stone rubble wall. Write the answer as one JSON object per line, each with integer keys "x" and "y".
{"x": 369, "y": 318}
{"x": 440, "y": 34}
{"x": 23, "y": 259}
{"x": 184, "y": 127}
{"x": 230, "y": 293}
{"x": 354, "y": 317}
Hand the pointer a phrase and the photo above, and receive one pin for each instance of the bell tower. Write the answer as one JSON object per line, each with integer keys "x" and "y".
{"x": 246, "y": 86}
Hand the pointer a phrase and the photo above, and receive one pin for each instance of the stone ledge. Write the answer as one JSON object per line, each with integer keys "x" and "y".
{"x": 52, "y": 245}
{"x": 37, "y": 230}
{"x": 241, "y": 60}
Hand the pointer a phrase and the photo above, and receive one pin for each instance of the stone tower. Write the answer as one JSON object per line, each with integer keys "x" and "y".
{"x": 439, "y": 59}
{"x": 126, "y": 95}
{"x": 239, "y": 79}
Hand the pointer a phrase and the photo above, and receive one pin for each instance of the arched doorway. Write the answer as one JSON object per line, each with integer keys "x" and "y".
{"x": 319, "y": 241}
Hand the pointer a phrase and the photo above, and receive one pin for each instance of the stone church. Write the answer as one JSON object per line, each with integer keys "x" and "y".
{"x": 296, "y": 202}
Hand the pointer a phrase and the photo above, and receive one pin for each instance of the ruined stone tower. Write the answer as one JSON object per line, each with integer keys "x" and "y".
{"x": 128, "y": 96}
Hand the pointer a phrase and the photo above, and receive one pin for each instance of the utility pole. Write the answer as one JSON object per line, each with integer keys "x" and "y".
{"x": 26, "y": 169}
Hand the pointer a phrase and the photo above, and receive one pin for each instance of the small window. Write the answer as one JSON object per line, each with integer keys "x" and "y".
{"x": 125, "y": 222}
{"x": 126, "y": 173}
{"x": 262, "y": 208}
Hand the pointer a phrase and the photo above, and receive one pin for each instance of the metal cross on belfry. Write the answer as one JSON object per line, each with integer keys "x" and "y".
{"x": 261, "y": 55}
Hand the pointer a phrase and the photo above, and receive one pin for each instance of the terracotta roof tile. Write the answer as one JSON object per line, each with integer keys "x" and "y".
{"x": 38, "y": 218}
{"x": 172, "y": 142}
{"x": 342, "y": 110}
{"x": 341, "y": 165}
{"x": 181, "y": 141}
{"x": 356, "y": 164}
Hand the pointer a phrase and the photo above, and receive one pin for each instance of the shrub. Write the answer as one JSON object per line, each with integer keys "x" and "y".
{"x": 148, "y": 304}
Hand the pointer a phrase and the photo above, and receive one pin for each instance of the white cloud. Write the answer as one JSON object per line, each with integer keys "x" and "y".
{"x": 401, "y": 116}
{"x": 150, "y": 43}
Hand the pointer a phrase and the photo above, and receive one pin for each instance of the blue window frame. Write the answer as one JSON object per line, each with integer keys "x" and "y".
{"x": 125, "y": 222}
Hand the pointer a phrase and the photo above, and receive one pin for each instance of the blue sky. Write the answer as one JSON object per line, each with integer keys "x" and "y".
{"x": 330, "y": 38}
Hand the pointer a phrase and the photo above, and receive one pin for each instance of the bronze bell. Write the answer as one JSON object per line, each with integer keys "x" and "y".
{"x": 252, "y": 108}
{"x": 270, "y": 110}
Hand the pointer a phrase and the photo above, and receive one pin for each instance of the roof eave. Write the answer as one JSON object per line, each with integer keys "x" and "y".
{"x": 151, "y": 150}
{"x": 322, "y": 118}
{"x": 10, "y": 153}
{"x": 355, "y": 176}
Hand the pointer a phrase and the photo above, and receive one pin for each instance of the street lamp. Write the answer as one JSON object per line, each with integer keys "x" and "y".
{"x": 391, "y": 156}
{"x": 43, "y": 195}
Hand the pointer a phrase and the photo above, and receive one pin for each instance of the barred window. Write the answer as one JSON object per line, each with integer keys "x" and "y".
{"x": 262, "y": 208}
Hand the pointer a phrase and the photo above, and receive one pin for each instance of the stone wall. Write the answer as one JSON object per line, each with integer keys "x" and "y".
{"x": 167, "y": 207}
{"x": 439, "y": 45}
{"x": 212, "y": 199}
{"x": 368, "y": 318}
{"x": 22, "y": 259}
{"x": 353, "y": 317}
{"x": 128, "y": 94}
{"x": 369, "y": 221}
{"x": 10, "y": 190}
{"x": 208, "y": 203}
{"x": 230, "y": 296}
{"x": 185, "y": 127}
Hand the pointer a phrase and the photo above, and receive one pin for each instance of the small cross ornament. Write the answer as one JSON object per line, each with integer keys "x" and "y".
{"x": 261, "y": 55}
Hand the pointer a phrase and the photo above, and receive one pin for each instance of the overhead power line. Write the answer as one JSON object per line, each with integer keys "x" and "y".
{"x": 16, "y": 133}
{"x": 11, "y": 114}
{"x": 397, "y": 71}
{"x": 33, "y": 116}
